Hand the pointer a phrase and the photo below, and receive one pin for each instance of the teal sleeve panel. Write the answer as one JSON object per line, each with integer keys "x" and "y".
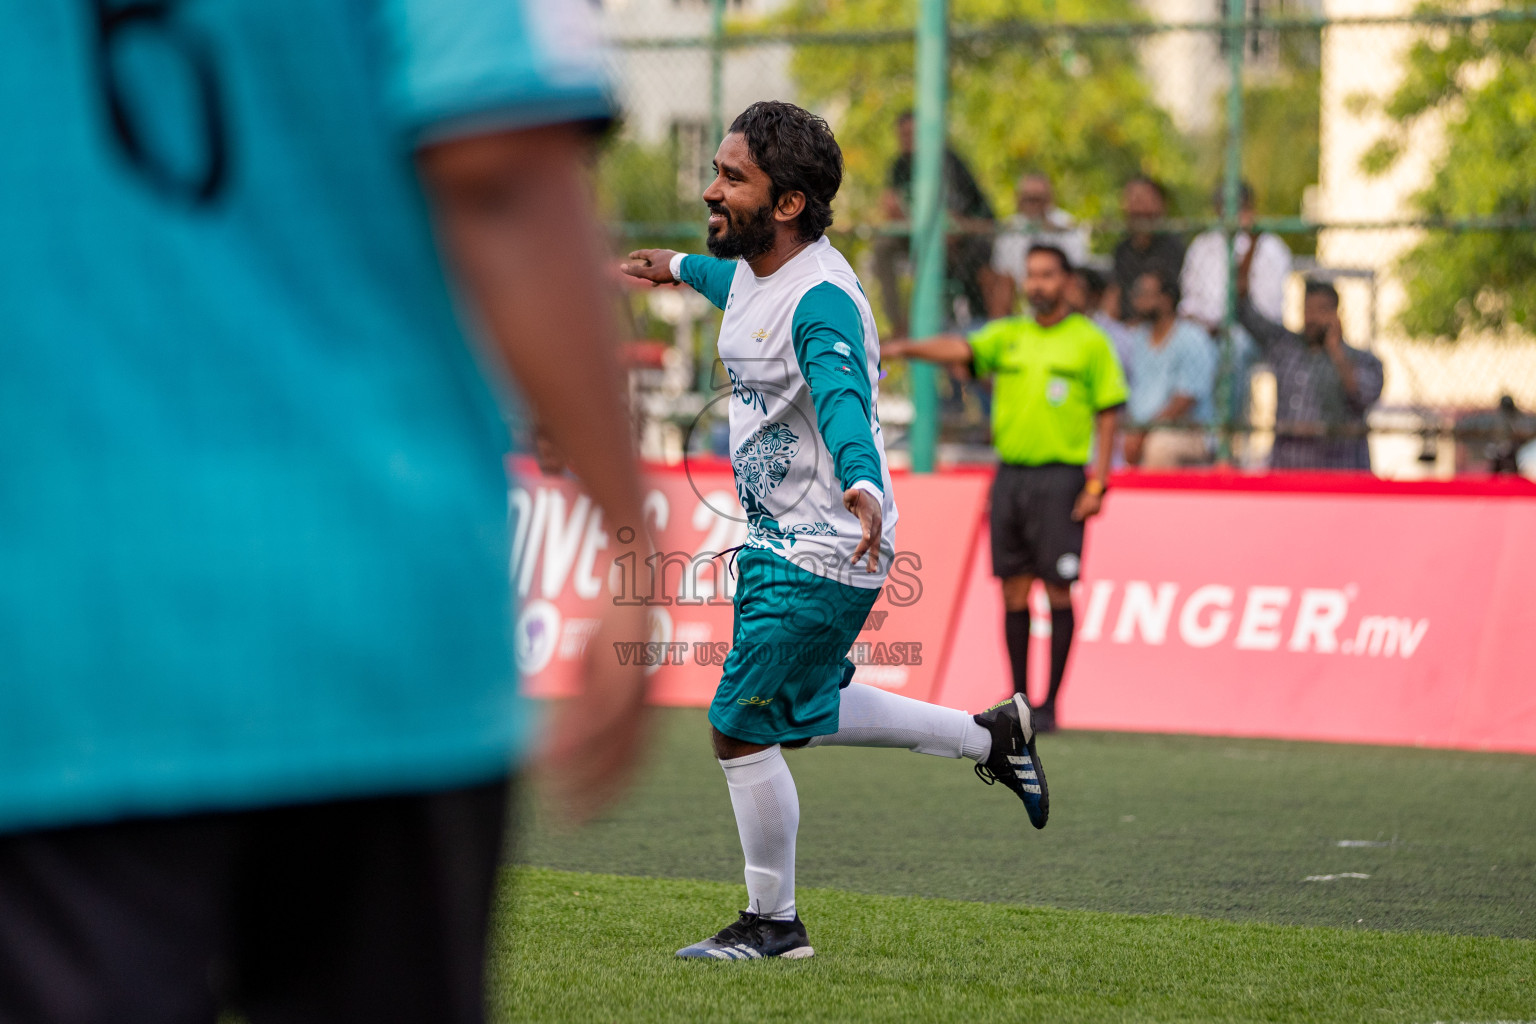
{"x": 829, "y": 345}
{"x": 709, "y": 277}
{"x": 465, "y": 67}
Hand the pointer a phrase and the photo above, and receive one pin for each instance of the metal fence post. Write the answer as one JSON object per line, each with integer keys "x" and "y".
{"x": 927, "y": 219}
{"x": 1230, "y": 365}
{"x": 704, "y": 368}
{"x": 716, "y": 72}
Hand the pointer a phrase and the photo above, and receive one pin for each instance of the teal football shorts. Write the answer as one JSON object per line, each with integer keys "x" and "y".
{"x": 789, "y": 651}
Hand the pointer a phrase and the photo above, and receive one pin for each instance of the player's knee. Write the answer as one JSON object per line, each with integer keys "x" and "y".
{"x": 1016, "y": 593}
{"x": 1058, "y": 596}
{"x": 728, "y": 747}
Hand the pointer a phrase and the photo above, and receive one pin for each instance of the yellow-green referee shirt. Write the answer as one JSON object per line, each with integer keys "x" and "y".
{"x": 1049, "y": 384}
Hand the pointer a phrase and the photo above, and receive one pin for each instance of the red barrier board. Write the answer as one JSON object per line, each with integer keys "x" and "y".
{"x": 1362, "y": 614}
{"x": 1303, "y": 607}
{"x": 559, "y": 540}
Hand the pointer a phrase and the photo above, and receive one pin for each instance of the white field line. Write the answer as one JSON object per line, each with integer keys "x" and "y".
{"x": 1330, "y": 878}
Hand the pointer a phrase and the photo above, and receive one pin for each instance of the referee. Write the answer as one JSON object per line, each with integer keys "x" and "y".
{"x": 1058, "y": 387}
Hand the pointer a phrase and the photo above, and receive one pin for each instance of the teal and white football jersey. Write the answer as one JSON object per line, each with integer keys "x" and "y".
{"x": 253, "y": 537}
{"x": 802, "y": 358}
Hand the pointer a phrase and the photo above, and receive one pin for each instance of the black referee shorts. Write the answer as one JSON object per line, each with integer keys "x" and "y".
{"x": 371, "y": 910}
{"x": 1033, "y": 533}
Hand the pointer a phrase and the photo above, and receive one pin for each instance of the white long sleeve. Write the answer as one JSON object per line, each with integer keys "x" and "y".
{"x": 1204, "y": 279}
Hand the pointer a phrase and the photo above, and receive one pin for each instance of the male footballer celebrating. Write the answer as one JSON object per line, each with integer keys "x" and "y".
{"x": 799, "y": 347}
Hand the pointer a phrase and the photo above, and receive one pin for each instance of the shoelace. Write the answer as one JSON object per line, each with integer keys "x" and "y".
{"x": 743, "y": 929}
{"x": 990, "y": 777}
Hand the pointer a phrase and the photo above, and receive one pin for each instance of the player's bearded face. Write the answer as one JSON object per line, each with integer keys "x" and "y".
{"x": 740, "y": 234}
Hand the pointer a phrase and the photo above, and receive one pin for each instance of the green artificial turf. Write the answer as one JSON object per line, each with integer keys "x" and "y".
{"x": 1216, "y": 828}
{"x": 590, "y": 948}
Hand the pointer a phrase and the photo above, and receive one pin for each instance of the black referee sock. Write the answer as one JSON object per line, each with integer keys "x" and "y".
{"x": 1016, "y": 627}
{"x": 1063, "y": 622}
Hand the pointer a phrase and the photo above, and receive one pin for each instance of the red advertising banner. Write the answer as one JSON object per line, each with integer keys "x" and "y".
{"x": 1356, "y": 612}
{"x": 1322, "y": 608}
{"x": 559, "y": 543}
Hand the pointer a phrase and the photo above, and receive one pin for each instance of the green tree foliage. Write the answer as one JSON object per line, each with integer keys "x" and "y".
{"x": 637, "y": 185}
{"x": 1281, "y": 139}
{"x": 1482, "y": 81}
{"x": 1075, "y": 107}
{"x": 1281, "y": 127}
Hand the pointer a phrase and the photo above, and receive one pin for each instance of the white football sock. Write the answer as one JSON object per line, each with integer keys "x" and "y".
{"x": 870, "y": 717}
{"x": 767, "y": 818}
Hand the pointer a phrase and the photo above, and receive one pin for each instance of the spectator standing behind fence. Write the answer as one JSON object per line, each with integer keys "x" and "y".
{"x": 1204, "y": 284}
{"x": 1057, "y": 389}
{"x": 1039, "y": 221}
{"x": 1323, "y": 387}
{"x": 970, "y": 223}
{"x": 1204, "y": 281}
{"x": 1144, "y": 204}
{"x": 1173, "y": 363}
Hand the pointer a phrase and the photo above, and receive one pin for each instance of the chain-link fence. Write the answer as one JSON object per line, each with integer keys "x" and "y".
{"x": 1389, "y": 152}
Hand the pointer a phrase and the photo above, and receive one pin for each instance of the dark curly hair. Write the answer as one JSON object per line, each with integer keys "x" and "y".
{"x": 795, "y": 148}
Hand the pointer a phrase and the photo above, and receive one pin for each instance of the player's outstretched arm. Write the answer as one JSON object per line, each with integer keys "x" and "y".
{"x": 706, "y": 275}
{"x": 943, "y": 348}
{"x": 653, "y": 265}
{"x": 516, "y": 225}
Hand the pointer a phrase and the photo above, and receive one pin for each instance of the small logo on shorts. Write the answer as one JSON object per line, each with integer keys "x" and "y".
{"x": 1056, "y": 391}
{"x": 1067, "y": 566}
{"x": 755, "y": 701}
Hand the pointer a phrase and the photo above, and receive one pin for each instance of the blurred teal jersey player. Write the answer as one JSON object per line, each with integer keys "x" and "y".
{"x": 801, "y": 353}
{"x": 253, "y": 537}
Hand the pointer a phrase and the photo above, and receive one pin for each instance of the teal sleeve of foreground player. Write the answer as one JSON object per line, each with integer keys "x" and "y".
{"x": 302, "y": 592}
{"x": 829, "y": 345}
{"x": 709, "y": 277}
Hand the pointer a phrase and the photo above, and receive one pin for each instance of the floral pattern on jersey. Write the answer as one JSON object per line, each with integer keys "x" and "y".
{"x": 763, "y": 532}
{"x": 761, "y": 463}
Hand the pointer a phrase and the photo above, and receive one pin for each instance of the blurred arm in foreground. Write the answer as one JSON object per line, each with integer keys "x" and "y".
{"x": 516, "y": 223}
